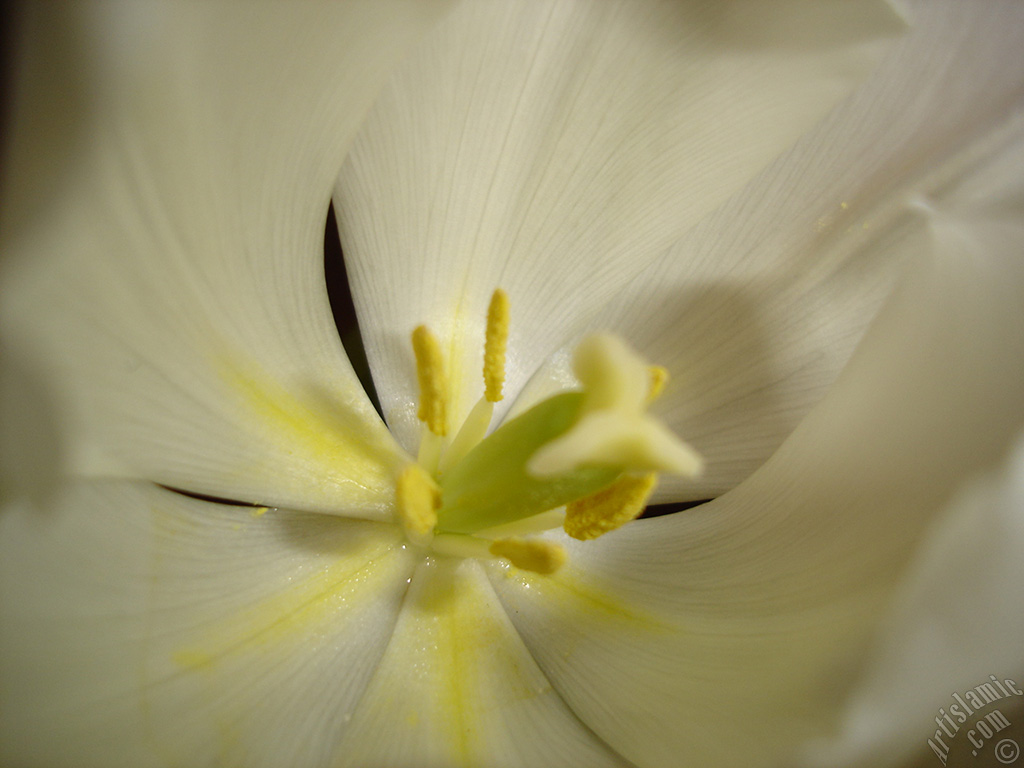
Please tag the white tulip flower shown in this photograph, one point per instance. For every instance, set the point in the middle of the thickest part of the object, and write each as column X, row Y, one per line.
column 762, row 254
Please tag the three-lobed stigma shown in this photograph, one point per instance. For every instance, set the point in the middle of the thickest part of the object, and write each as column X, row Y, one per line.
column 586, row 460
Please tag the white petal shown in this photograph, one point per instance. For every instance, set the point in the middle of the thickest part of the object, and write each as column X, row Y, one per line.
column 956, row 621
column 555, row 149
column 457, row 687
column 143, row 628
column 164, row 280
column 757, row 309
column 729, row 633
column 30, row 442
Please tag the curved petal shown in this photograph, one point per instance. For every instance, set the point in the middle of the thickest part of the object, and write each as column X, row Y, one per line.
column 144, row 628
column 166, row 280
column 457, row 687
column 756, row 310
column 554, row 149
column 730, row 633
column 956, row 622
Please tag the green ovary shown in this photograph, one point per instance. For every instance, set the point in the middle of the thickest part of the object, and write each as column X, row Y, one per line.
column 491, row 485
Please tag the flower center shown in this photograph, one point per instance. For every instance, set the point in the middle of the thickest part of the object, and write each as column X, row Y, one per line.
column 584, row 460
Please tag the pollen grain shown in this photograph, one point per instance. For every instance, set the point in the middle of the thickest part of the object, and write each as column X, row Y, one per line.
column 659, row 378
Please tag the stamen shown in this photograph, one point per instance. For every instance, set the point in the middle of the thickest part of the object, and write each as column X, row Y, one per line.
column 433, row 386
column 659, row 378
column 417, row 498
column 495, row 345
column 535, row 555
column 611, row 508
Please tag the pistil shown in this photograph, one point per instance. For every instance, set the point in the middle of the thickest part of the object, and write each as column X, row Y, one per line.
column 587, row 460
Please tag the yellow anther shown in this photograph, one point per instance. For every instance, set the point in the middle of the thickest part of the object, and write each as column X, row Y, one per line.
column 417, row 498
column 611, row 508
column 495, row 345
column 659, row 378
column 535, row 555
column 433, row 386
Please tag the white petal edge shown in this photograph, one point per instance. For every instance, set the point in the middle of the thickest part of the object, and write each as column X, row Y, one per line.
column 164, row 280
column 955, row 622
column 756, row 310
column 731, row 633
column 143, row 628
column 555, row 149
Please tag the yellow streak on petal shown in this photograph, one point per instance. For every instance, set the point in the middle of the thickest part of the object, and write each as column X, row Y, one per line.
column 537, row 555
column 578, row 596
column 192, row 660
column 340, row 445
column 432, row 380
column 611, row 508
column 495, row 345
column 417, row 499
column 455, row 666
column 292, row 615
